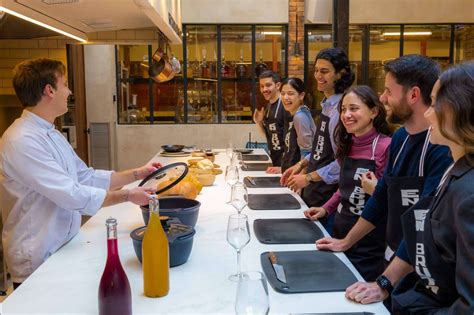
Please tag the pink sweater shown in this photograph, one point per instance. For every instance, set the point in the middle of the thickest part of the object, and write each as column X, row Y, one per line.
column 362, row 149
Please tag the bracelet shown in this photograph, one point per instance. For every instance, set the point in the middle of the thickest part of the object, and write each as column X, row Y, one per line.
column 309, row 178
column 300, row 165
column 135, row 174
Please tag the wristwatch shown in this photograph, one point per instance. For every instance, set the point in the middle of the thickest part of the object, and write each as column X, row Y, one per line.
column 309, row 178
column 384, row 283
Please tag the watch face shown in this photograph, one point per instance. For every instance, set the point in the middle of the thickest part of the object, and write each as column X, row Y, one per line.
column 383, row 282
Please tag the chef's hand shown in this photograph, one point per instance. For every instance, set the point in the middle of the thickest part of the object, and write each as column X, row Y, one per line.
column 273, row 170
column 145, row 170
column 258, row 115
column 368, row 181
column 286, row 175
column 315, row 213
column 366, row 293
column 332, row 244
column 296, row 182
column 140, row 195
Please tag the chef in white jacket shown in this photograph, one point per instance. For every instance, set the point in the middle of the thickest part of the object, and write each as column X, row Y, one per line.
column 45, row 187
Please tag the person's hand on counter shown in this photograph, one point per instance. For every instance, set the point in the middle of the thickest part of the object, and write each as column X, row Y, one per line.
column 295, row 169
column 332, row 244
column 315, row 213
column 366, row 292
column 297, row 182
column 273, row 170
column 368, row 182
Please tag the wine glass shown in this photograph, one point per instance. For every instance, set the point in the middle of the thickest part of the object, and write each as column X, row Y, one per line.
column 236, row 157
column 238, row 196
column 238, row 235
column 231, row 176
column 252, row 294
column 229, row 151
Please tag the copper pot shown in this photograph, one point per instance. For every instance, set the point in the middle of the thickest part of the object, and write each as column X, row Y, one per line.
column 160, row 69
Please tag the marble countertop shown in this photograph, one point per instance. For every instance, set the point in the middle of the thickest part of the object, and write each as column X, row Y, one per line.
column 67, row 283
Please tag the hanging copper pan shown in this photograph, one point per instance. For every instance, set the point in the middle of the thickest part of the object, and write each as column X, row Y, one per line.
column 160, row 69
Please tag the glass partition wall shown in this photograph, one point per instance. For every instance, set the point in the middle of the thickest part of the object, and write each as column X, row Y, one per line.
column 370, row 46
column 218, row 82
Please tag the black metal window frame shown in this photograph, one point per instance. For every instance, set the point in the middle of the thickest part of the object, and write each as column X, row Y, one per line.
column 219, row 78
column 254, row 91
column 366, row 43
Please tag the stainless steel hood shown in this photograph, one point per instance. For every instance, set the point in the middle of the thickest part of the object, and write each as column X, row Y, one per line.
column 80, row 17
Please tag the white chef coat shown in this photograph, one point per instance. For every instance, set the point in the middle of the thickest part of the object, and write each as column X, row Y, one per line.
column 44, row 189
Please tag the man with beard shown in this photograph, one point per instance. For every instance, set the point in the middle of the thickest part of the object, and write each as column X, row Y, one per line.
column 270, row 119
column 414, row 170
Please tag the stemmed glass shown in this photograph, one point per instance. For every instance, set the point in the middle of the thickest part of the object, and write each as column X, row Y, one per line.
column 231, row 176
column 236, row 157
column 229, row 151
column 238, row 236
column 238, row 196
column 252, row 294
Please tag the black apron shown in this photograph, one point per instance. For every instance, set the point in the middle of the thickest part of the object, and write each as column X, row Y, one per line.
column 403, row 192
column 367, row 255
column 273, row 133
column 291, row 151
column 421, row 292
column 317, row 193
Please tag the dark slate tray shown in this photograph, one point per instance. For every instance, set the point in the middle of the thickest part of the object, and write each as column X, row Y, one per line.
column 250, row 167
column 272, row 202
column 255, row 157
column 263, row 182
column 308, row 271
column 286, row 231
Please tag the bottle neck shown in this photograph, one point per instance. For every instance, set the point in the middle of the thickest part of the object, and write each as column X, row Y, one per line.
column 154, row 205
column 112, row 247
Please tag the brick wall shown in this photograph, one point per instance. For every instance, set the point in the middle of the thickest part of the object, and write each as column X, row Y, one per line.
column 296, row 64
column 469, row 42
column 13, row 51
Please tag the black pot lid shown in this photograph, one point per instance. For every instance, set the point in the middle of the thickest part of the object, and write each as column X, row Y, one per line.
column 171, row 174
column 173, row 227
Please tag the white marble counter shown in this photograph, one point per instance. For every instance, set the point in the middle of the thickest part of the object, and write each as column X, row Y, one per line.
column 67, row 283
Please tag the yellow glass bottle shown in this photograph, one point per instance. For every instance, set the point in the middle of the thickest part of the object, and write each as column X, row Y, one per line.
column 155, row 255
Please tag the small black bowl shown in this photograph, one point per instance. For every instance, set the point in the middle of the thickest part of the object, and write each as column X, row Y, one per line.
column 172, row 148
column 186, row 210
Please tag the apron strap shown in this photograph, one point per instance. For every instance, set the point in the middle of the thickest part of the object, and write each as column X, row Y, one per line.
column 443, row 180
column 400, row 151
column 374, row 144
column 423, row 153
column 276, row 111
column 278, row 107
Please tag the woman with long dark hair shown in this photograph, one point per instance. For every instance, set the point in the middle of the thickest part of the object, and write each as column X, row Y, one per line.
column 439, row 230
column 300, row 130
column 363, row 139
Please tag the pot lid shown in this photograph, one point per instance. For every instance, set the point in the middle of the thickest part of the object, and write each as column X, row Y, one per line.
column 166, row 177
column 173, row 227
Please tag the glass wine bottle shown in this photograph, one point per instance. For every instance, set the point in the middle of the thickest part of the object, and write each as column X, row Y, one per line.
column 241, row 68
column 225, row 69
column 261, row 66
column 114, row 289
column 204, row 65
column 155, row 255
